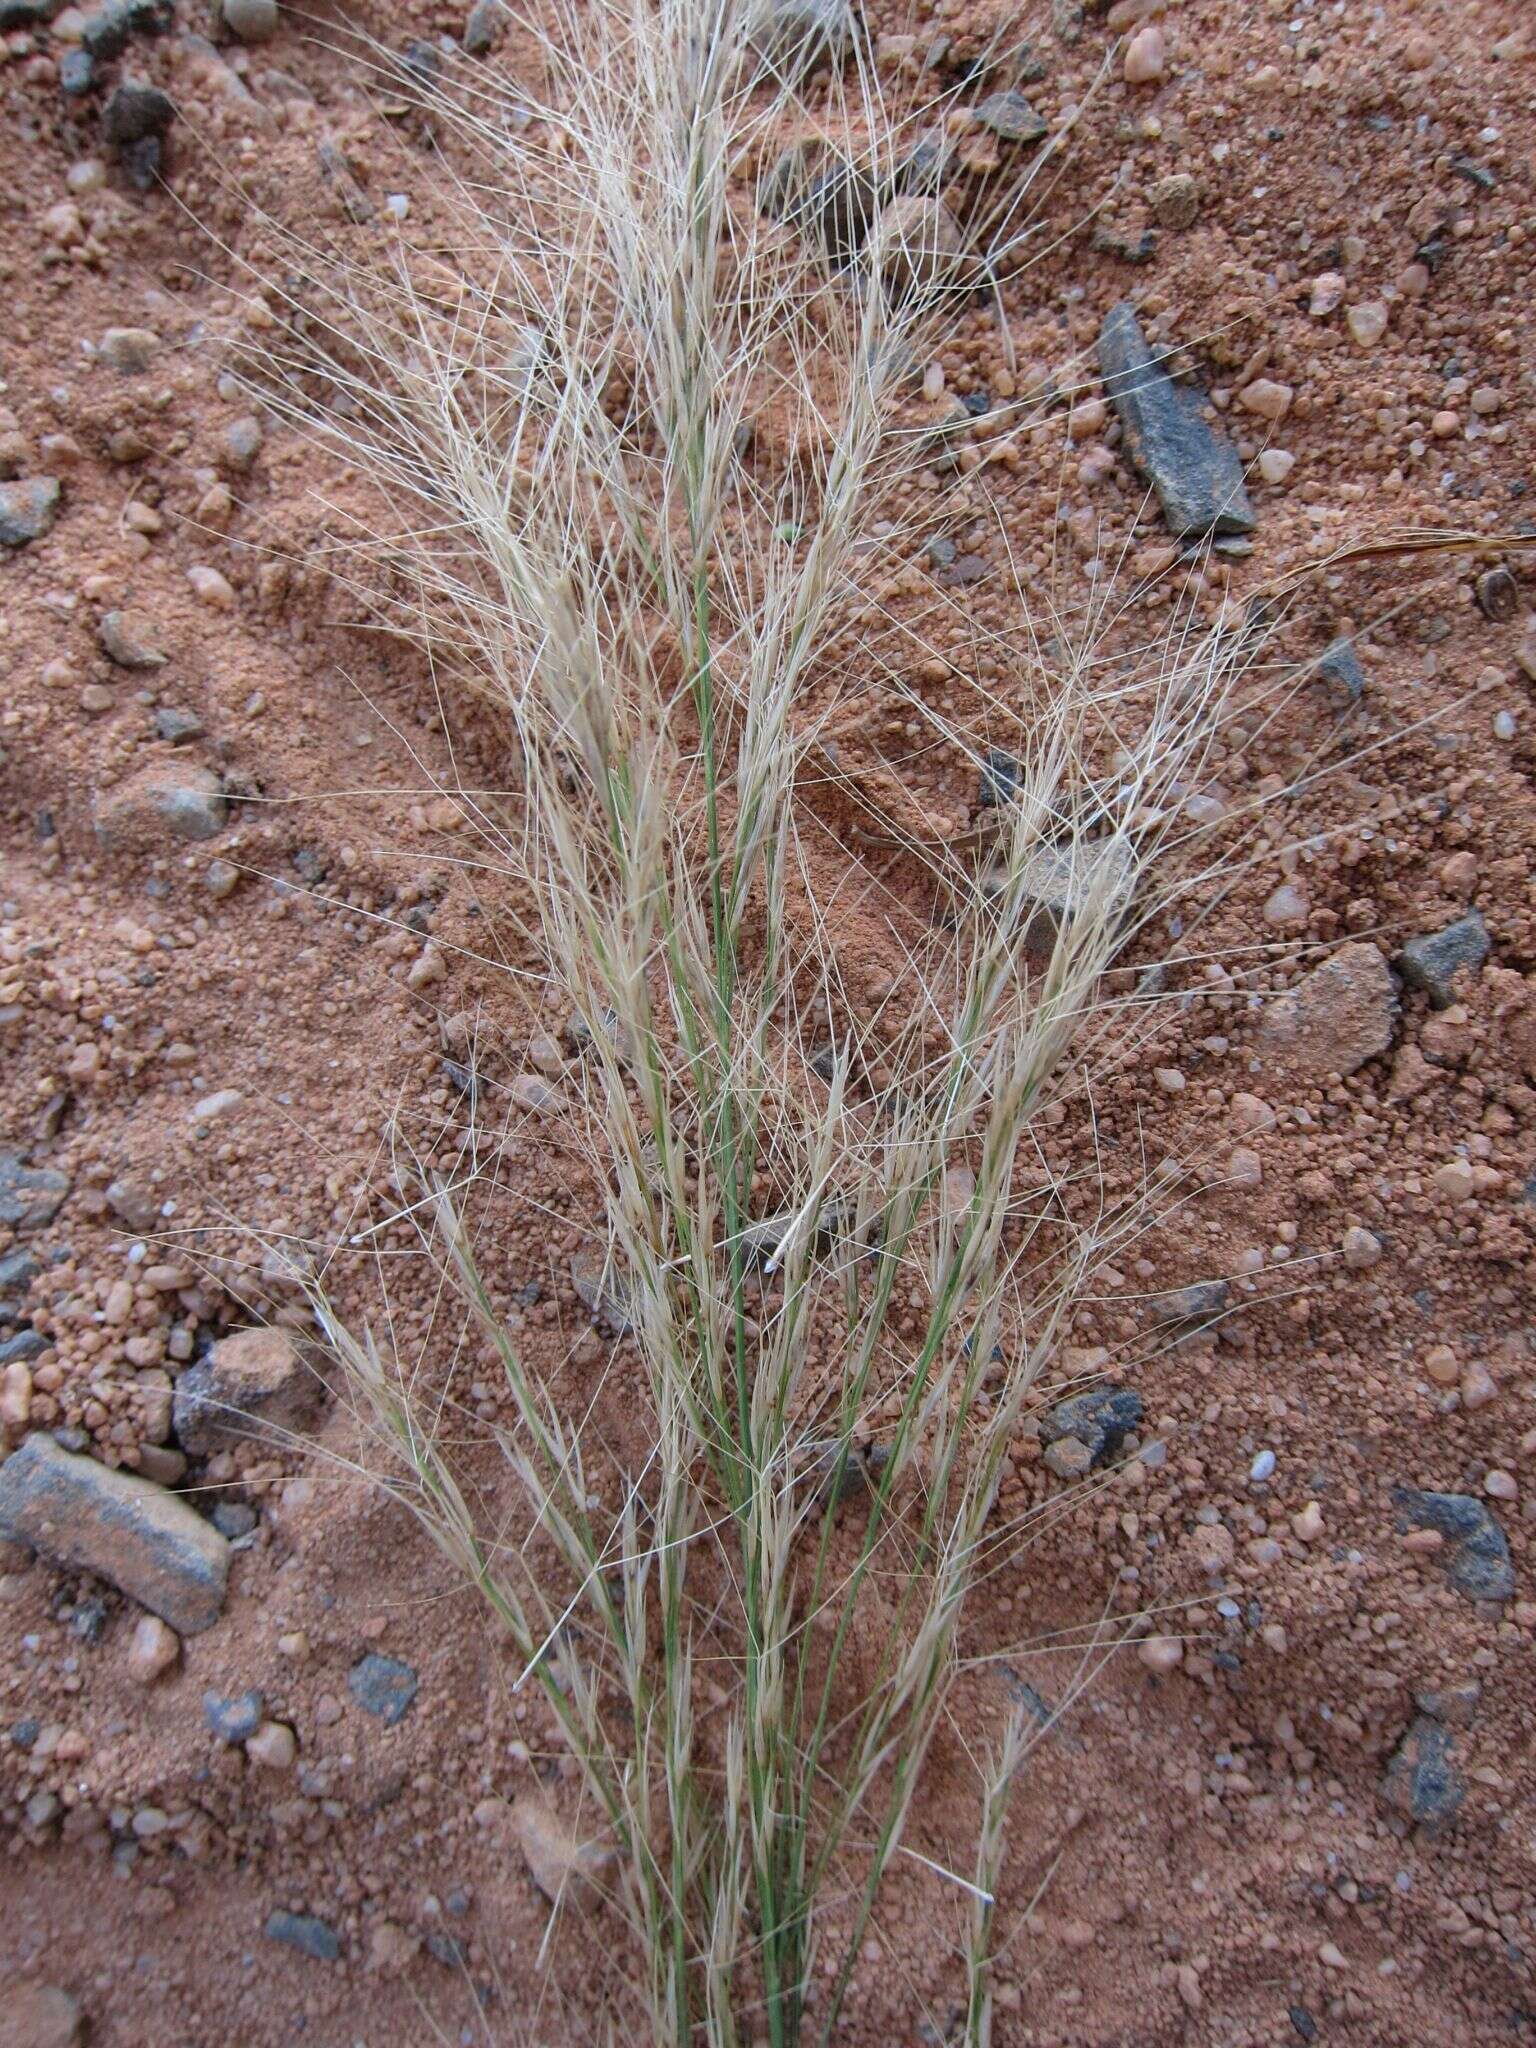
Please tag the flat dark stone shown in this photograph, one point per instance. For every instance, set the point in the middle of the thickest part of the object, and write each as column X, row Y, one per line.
column 1101, row 1419
column 310, row 1936
column 1431, row 961
column 29, row 1195
column 136, row 112
column 1000, row 774
column 383, row 1686
column 1010, row 117
column 25, row 1345
column 1197, row 475
column 1477, row 1555
column 1339, row 666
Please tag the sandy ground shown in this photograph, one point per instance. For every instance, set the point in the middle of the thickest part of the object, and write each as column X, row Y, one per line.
column 209, row 1039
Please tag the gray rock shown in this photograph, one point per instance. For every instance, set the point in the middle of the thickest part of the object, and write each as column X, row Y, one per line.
column 129, row 639
column 253, row 21
column 251, row 1384
column 1194, row 1304
column 1000, row 774
column 77, row 74
column 1100, row 1419
column 235, row 1717
column 383, row 1687
column 30, row 1196
column 1455, row 1705
column 106, row 33
column 23, row 1347
column 141, row 1539
column 797, row 35
column 310, row 1936
column 1477, row 1555
column 176, row 727
column 1010, row 117
column 133, row 1204
column 137, row 113
column 18, row 1269
column 1198, row 476
column 25, row 13
column 168, row 799
column 1339, row 666
column 1422, row 1781
column 27, row 509
column 482, row 31
column 234, row 1519
column 1432, row 961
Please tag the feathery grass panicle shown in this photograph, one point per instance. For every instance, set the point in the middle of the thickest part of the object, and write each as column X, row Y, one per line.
column 843, row 1265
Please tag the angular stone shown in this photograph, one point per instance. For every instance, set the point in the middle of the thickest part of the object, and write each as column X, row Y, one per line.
column 1432, row 961
column 1338, row 1017
column 27, row 509
column 1421, row 1781
column 234, row 1718
column 137, row 112
column 1100, row 1419
column 1339, row 666
column 251, row 1384
column 1197, row 475
column 483, row 28
column 168, row 799
column 30, row 1196
column 1477, row 1555
column 383, row 1687
column 920, row 246
column 1010, row 117
column 310, row 1936
column 141, row 1539
column 1197, row 1303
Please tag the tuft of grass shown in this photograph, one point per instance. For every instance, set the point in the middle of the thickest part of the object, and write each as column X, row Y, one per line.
column 641, row 425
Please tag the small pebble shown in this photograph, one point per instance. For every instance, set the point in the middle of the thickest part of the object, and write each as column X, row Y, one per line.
column 1501, row 1486
column 1262, row 1467
column 1276, row 464
column 1161, row 1654
column 1270, row 400
column 1308, row 1525
column 1367, row 322
column 1362, row 1248
column 1146, row 55
column 1327, row 294
column 253, row 21
column 274, row 1745
column 152, row 1649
